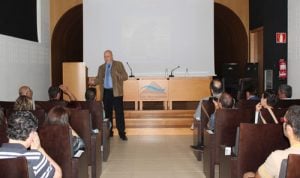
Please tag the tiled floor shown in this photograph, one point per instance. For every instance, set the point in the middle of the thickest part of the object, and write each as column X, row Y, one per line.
column 153, row 153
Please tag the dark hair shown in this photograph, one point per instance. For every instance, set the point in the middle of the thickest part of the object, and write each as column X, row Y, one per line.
column 226, row 100
column 90, row 94
column 23, row 103
column 216, row 89
column 251, row 89
column 293, row 119
column 286, row 89
column 20, row 124
column 58, row 115
column 271, row 97
column 53, row 91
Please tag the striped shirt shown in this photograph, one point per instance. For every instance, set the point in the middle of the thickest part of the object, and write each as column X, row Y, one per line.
column 38, row 163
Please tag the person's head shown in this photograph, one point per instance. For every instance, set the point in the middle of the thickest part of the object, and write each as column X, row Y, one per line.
column 108, row 56
column 25, row 91
column 268, row 99
column 90, row 94
column 23, row 103
column 284, row 91
column 226, row 101
column 21, row 127
column 250, row 91
column 291, row 126
column 216, row 87
column 58, row 115
column 54, row 93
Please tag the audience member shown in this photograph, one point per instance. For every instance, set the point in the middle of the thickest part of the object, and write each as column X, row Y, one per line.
column 284, row 91
column 90, row 94
column 59, row 115
column 251, row 93
column 291, row 128
column 56, row 93
column 216, row 89
column 24, row 141
column 23, row 103
column 268, row 100
column 225, row 102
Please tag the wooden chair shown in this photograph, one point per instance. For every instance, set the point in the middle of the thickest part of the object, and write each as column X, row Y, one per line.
column 48, row 105
column 80, row 121
column 244, row 104
column 3, row 135
column 255, row 143
column 292, row 169
column 285, row 103
column 226, row 123
column 279, row 113
column 57, row 142
column 96, row 110
column 15, row 168
column 199, row 125
column 7, row 104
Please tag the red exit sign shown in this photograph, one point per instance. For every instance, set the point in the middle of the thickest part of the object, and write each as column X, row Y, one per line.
column 281, row 37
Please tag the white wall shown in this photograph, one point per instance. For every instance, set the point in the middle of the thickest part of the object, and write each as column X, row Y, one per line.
column 151, row 35
column 24, row 62
column 294, row 46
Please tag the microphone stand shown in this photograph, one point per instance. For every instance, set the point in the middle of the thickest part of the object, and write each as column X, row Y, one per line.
column 131, row 73
column 172, row 75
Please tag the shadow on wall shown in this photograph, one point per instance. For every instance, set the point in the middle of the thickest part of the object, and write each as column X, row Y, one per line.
column 231, row 40
column 67, row 42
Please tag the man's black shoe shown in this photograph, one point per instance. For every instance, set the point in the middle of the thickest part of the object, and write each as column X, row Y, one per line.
column 123, row 137
column 198, row 147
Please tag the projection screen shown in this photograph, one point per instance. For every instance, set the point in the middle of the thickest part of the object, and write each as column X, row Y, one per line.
column 151, row 35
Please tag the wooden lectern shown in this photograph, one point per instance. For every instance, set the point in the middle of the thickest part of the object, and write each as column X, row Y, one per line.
column 75, row 78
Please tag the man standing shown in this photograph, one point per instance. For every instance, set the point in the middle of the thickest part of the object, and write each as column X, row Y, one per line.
column 111, row 76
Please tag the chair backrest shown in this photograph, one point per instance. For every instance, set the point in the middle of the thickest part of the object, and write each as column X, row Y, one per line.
column 293, row 163
column 208, row 107
column 15, row 168
column 243, row 104
column 256, row 142
column 80, row 121
column 227, row 121
column 57, row 142
column 47, row 105
column 287, row 103
column 279, row 113
column 96, row 110
column 7, row 104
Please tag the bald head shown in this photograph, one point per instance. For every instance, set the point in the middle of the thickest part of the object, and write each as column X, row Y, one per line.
column 25, row 91
column 108, row 56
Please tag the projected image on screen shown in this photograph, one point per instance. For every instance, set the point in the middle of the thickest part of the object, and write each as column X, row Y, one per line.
column 152, row 35
column 19, row 19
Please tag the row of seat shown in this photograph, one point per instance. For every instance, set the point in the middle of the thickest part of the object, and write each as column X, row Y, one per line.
column 85, row 118
column 247, row 155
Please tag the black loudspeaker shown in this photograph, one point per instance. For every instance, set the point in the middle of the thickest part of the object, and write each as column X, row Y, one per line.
column 230, row 74
column 251, row 71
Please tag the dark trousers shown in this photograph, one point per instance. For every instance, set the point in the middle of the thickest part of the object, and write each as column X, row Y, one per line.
column 110, row 102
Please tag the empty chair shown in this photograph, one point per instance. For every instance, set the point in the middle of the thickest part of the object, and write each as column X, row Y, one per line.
column 81, row 122
column 57, row 142
column 15, row 168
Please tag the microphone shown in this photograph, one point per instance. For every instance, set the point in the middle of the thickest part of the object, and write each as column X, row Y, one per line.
column 131, row 74
column 172, row 75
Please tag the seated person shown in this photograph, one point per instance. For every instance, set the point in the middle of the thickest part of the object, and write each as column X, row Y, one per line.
column 59, row 115
column 23, row 103
column 216, row 89
column 90, row 94
column 284, row 91
column 24, row 141
column 291, row 127
column 225, row 102
column 56, row 93
column 251, row 93
column 268, row 101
